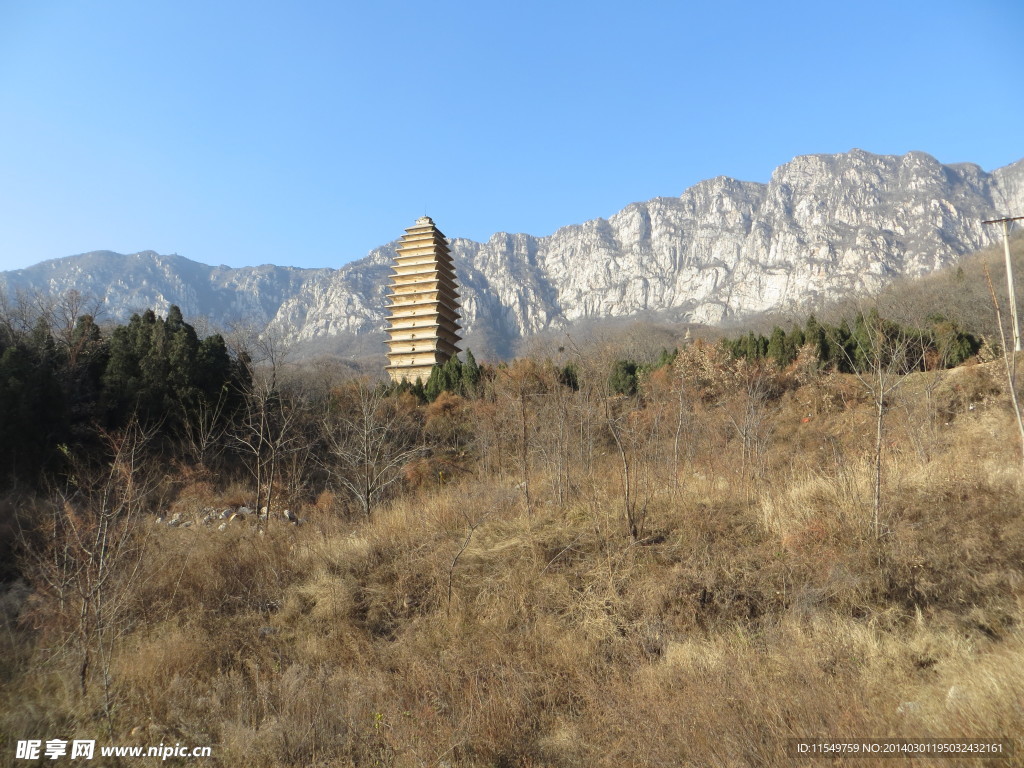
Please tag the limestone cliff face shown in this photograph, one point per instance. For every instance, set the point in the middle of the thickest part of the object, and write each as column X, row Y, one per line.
column 824, row 226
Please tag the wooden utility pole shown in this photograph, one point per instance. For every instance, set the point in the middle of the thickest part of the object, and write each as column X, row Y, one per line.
column 1009, row 275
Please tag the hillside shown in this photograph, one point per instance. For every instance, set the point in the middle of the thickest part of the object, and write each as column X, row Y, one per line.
column 824, row 227
column 551, row 575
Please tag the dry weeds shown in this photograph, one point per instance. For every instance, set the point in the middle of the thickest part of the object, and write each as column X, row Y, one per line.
column 457, row 628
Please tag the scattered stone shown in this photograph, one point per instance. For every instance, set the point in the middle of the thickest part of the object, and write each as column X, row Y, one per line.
column 223, row 526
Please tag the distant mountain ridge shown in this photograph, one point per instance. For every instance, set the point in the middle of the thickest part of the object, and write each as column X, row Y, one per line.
column 823, row 227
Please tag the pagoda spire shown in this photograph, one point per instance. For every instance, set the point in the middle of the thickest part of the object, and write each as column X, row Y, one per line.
column 423, row 307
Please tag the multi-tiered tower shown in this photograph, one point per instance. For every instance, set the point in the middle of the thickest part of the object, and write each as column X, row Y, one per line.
column 424, row 322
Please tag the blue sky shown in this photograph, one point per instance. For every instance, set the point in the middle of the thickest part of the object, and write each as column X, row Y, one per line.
column 307, row 133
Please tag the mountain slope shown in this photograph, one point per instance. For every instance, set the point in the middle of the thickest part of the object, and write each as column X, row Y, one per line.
column 823, row 227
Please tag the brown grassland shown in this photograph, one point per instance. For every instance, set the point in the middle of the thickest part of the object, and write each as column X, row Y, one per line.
column 565, row 578
column 457, row 626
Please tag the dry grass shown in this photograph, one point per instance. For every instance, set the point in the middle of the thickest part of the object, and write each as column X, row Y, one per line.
column 457, row 628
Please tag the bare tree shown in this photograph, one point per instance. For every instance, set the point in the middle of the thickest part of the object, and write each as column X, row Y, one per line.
column 63, row 312
column 371, row 437
column 753, row 424
column 554, row 437
column 517, row 388
column 683, row 411
column 880, row 355
column 591, row 362
column 695, row 372
column 640, row 432
column 473, row 517
column 85, row 560
column 268, row 431
column 634, row 442
column 204, row 428
column 18, row 314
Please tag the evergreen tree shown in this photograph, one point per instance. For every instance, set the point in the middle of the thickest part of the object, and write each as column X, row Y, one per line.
column 751, row 350
column 183, row 346
column 840, row 347
column 121, row 377
column 213, row 366
column 82, row 382
column 471, row 376
column 32, row 408
column 159, row 370
column 435, row 384
column 816, row 336
column 451, row 373
column 793, row 342
column 568, row 377
column 42, row 345
column 665, row 358
column 155, row 370
column 175, row 321
column 849, row 349
column 623, row 378
column 951, row 345
column 777, row 347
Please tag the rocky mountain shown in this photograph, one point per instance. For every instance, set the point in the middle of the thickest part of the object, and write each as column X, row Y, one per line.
column 823, row 227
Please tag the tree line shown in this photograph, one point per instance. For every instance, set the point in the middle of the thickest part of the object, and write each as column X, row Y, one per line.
column 61, row 389
column 241, row 412
column 844, row 347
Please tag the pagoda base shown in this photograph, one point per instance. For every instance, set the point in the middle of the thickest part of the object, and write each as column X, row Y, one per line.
column 410, row 373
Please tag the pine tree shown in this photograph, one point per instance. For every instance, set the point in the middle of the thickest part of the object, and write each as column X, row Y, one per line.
column 33, row 414
column 470, row 384
column 794, row 341
column 213, row 366
column 776, row 349
column 434, row 385
column 155, row 370
column 121, row 377
column 568, row 377
column 183, row 346
column 451, row 375
column 623, row 380
column 86, row 360
column 815, row 335
column 175, row 321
